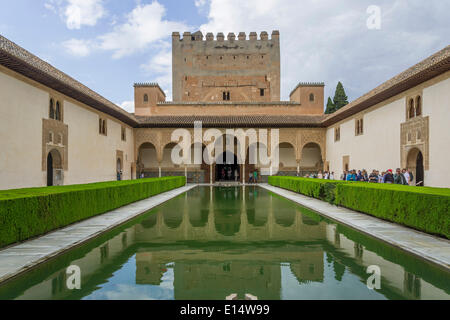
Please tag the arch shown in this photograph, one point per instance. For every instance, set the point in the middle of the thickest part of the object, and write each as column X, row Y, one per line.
column 311, row 97
column 418, row 106
column 311, row 157
column 54, row 164
column 227, row 167
column 287, row 155
column 167, row 155
column 415, row 163
column 145, row 98
column 147, row 159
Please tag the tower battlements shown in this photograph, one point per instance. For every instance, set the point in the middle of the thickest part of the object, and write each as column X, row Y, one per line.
column 220, row 37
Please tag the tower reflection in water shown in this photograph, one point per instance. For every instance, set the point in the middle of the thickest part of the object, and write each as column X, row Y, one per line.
column 213, row 241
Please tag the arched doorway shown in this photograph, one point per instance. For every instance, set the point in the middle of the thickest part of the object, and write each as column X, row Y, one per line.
column 119, row 169
column 415, row 164
column 311, row 160
column 54, row 169
column 227, row 166
column 287, row 159
column 147, row 164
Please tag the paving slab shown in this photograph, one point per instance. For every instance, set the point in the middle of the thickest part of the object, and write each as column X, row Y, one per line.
column 21, row 257
column 426, row 246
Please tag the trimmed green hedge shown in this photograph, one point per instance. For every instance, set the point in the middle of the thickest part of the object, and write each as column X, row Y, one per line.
column 422, row 208
column 316, row 188
column 25, row 213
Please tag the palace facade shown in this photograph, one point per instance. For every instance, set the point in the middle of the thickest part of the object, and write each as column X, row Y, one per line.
column 56, row 131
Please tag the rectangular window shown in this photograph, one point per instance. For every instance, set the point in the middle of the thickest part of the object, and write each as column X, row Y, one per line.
column 261, row 92
column 102, row 127
column 337, row 134
column 226, row 96
column 359, row 127
column 124, row 134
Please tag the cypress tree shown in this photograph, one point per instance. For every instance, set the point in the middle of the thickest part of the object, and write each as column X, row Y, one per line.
column 330, row 107
column 340, row 98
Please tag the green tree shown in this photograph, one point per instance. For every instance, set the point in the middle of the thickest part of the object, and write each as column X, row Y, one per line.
column 330, row 107
column 340, row 98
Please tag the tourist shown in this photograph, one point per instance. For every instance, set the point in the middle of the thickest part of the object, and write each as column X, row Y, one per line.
column 320, row 175
column 344, row 175
column 373, row 177
column 388, row 177
column 255, row 176
column 365, row 175
column 406, row 175
column 331, row 177
column 236, row 175
column 399, row 178
column 381, row 177
column 351, row 176
column 411, row 178
column 326, row 176
column 359, row 176
column 223, row 173
column 250, row 177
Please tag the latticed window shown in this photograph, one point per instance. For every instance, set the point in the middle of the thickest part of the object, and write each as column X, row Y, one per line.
column 418, row 106
column 51, row 112
column 58, row 111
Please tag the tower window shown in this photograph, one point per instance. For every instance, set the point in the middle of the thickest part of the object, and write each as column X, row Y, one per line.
column 226, row 95
column 411, row 109
column 261, row 92
column 311, row 97
column 145, row 97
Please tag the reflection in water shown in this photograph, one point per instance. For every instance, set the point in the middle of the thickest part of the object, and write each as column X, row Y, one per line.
column 212, row 242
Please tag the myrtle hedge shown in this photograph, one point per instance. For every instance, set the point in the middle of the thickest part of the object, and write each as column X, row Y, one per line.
column 422, row 208
column 26, row 213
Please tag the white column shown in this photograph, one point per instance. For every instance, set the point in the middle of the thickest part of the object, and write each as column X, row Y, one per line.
column 243, row 173
column 210, row 174
column 159, row 169
column 185, row 172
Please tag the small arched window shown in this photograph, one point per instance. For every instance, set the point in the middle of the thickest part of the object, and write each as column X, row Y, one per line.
column 58, row 111
column 50, row 137
column 145, row 97
column 411, row 112
column 51, row 112
column 311, row 97
column 419, row 135
column 418, row 106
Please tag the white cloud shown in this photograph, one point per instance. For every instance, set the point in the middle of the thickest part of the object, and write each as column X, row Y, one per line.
column 145, row 25
column 159, row 69
column 329, row 41
column 127, row 106
column 77, row 47
column 77, row 13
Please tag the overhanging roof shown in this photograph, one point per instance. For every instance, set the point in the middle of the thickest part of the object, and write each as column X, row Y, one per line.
column 23, row 62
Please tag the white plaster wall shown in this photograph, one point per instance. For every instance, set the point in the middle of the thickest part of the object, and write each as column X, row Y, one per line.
column 379, row 146
column 92, row 156
column 436, row 105
column 22, row 108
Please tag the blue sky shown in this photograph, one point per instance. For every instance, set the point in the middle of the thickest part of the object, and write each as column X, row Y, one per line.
column 110, row 44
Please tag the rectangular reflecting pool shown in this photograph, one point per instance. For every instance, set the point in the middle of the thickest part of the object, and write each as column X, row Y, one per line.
column 214, row 241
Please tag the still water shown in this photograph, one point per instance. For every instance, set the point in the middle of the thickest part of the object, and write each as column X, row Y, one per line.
column 211, row 242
